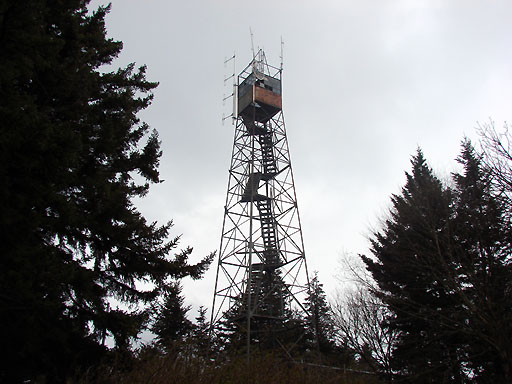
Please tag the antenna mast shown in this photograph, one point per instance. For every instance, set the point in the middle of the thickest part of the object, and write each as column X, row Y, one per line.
column 233, row 93
column 252, row 44
column 281, row 57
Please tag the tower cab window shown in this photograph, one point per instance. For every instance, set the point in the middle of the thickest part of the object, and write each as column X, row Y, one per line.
column 262, row 84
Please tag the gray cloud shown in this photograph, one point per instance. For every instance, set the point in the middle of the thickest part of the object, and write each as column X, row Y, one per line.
column 364, row 84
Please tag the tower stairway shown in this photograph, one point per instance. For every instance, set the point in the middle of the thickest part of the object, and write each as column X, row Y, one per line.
column 268, row 233
column 251, row 188
column 268, row 160
column 264, row 286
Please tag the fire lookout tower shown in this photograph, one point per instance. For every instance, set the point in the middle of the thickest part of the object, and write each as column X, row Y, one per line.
column 262, row 275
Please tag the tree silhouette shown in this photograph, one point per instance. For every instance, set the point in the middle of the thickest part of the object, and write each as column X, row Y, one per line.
column 74, row 155
column 442, row 268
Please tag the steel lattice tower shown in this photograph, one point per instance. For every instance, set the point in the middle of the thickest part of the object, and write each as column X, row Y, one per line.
column 262, row 276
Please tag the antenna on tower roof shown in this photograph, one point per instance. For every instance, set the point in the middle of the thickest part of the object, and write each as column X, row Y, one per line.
column 233, row 93
column 252, row 44
column 282, row 45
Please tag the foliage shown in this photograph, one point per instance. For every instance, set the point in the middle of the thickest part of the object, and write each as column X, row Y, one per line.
column 319, row 322
column 442, row 267
column 171, row 324
column 359, row 317
column 497, row 150
column 151, row 367
column 285, row 334
column 408, row 253
column 73, row 156
column 274, row 325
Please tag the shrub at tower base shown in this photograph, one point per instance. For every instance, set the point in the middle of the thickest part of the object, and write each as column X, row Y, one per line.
column 70, row 146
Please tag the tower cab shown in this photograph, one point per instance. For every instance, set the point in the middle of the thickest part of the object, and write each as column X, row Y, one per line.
column 259, row 97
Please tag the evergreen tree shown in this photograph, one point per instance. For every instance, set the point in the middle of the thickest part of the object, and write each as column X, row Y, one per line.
column 410, row 268
column 71, row 145
column 483, row 272
column 272, row 322
column 279, row 334
column 171, row 324
column 200, row 334
column 442, row 266
column 319, row 323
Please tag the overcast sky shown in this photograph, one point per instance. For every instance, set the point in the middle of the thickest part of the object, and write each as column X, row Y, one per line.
column 364, row 84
